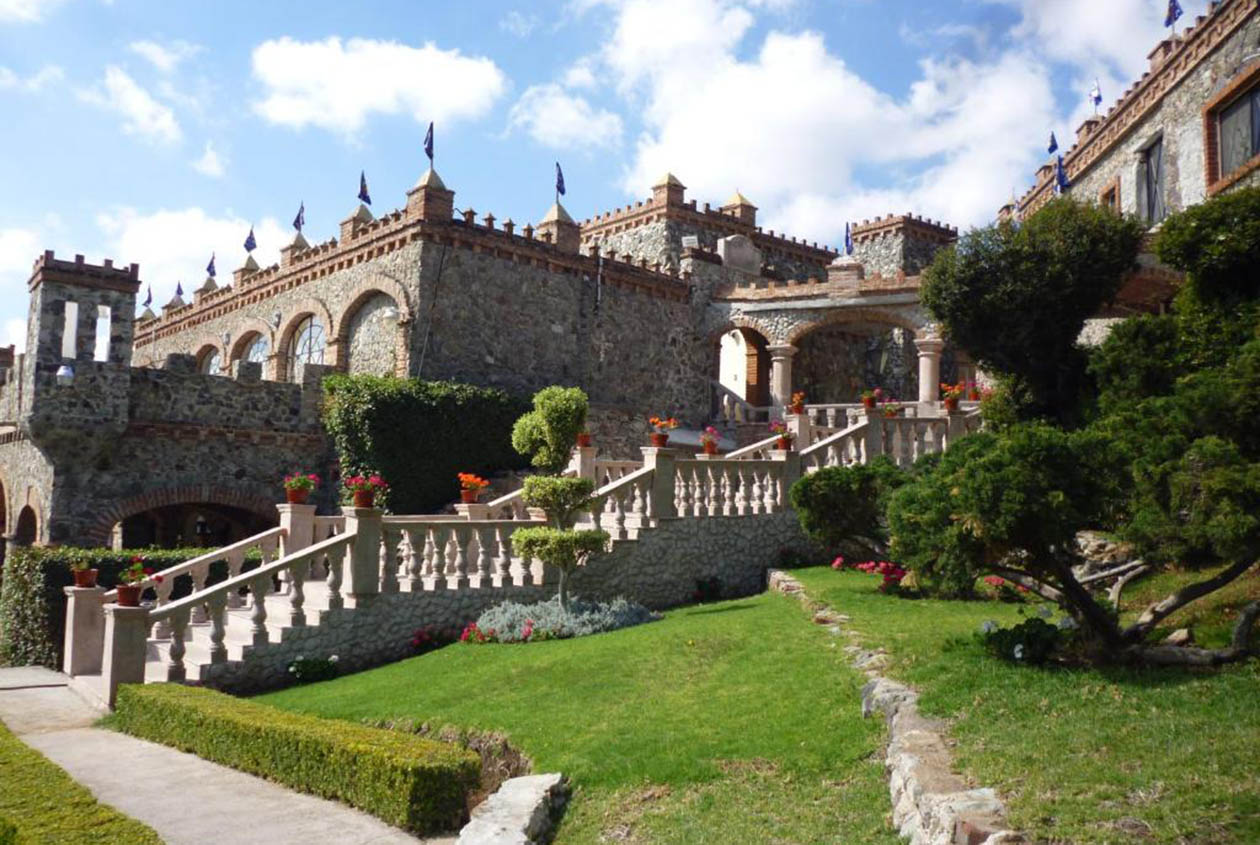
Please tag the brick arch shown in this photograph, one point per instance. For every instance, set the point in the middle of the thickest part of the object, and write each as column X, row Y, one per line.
column 856, row 315
column 206, row 342
column 306, row 308
column 741, row 321
column 192, row 494
column 248, row 327
column 365, row 290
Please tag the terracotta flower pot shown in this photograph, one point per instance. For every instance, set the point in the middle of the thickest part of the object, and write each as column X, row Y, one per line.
column 710, row 448
column 85, row 577
column 784, row 443
column 364, row 498
column 951, row 403
column 973, row 396
column 469, row 497
column 868, row 402
column 796, row 409
column 129, row 595
column 296, row 496
column 584, row 439
column 658, row 438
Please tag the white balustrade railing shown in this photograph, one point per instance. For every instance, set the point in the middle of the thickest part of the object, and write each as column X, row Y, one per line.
column 608, row 471
column 837, row 450
column 624, row 505
column 730, row 408
column 759, row 451
column 729, row 487
column 432, row 553
column 174, row 617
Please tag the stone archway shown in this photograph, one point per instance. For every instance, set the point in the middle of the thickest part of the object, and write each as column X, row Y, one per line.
column 26, row 529
column 116, row 512
column 316, row 310
column 372, row 336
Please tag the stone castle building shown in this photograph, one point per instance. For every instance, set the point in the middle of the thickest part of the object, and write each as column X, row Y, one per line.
column 183, row 428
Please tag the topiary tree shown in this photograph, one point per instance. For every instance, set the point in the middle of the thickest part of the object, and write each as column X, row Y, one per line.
column 1062, row 265
column 566, row 550
column 838, row 505
column 546, row 434
column 562, row 498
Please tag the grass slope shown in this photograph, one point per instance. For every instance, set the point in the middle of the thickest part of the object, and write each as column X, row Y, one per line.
column 733, row 722
column 1088, row 755
column 47, row 806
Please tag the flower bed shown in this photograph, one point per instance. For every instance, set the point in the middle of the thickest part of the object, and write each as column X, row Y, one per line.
column 511, row 622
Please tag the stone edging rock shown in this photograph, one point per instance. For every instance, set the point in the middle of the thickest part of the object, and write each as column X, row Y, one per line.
column 523, row 811
column 931, row 804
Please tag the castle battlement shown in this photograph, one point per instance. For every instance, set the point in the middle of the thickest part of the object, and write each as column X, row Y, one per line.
column 105, row 276
column 911, row 225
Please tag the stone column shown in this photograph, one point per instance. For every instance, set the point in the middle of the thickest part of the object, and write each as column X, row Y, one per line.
column 874, row 434
column 791, row 459
column 363, row 580
column 662, row 460
column 929, row 346
column 780, row 377
column 584, row 461
column 126, row 645
column 298, row 522
column 85, row 630
column 473, row 510
column 802, row 427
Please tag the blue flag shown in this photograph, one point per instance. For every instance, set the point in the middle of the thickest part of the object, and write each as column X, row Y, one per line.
column 179, row 289
column 1174, row 12
column 559, row 180
column 848, row 240
column 363, row 192
column 148, row 299
column 250, row 243
column 300, row 220
column 428, row 143
column 1054, row 145
column 1095, row 94
column 210, row 266
column 1061, row 182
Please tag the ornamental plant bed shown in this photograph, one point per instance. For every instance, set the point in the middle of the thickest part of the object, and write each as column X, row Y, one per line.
column 410, row 782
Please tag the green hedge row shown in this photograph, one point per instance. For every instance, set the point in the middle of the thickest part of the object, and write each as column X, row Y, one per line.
column 33, row 604
column 419, row 434
column 40, row 803
column 413, row 783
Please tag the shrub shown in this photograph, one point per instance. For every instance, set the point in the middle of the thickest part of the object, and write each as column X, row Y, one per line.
column 33, row 604
column 846, row 504
column 41, row 803
column 566, row 550
column 419, row 434
column 308, row 670
column 431, row 637
column 1033, row 641
column 409, row 782
column 546, row 434
column 512, row 622
column 1218, row 244
column 1138, row 359
column 562, row 498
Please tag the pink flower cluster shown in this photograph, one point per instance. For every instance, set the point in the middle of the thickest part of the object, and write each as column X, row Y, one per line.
column 892, row 572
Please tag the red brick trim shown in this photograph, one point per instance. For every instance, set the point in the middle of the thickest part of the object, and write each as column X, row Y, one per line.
column 1216, row 181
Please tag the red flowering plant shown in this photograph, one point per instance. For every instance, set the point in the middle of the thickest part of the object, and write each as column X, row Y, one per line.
column 662, row 425
column 473, row 635
column 890, row 407
column 953, row 391
column 709, row 435
column 363, row 483
column 469, row 481
column 137, row 572
column 431, row 637
column 780, row 429
column 1004, row 590
column 873, row 394
column 301, row 481
column 891, row 572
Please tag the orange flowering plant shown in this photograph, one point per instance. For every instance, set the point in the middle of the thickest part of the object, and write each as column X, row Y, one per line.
column 469, row 481
column 953, row 391
column 662, row 425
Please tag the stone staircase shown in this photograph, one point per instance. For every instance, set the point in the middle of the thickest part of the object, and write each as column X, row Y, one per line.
column 359, row 584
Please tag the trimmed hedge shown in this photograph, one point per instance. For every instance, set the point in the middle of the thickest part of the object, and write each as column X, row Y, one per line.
column 33, row 604
column 419, row 434
column 412, row 783
column 40, row 803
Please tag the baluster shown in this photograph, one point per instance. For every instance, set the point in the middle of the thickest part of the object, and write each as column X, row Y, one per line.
column 267, row 548
column 756, row 493
column 235, row 560
column 199, row 574
column 390, row 538
column 728, row 491
column 430, row 552
column 461, row 557
column 162, row 629
column 441, row 538
column 619, row 514
column 335, row 559
column 175, row 654
column 503, row 563
column 258, row 587
column 217, row 606
column 698, row 491
column 715, row 489
column 483, row 555
column 741, row 503
column 297, row 594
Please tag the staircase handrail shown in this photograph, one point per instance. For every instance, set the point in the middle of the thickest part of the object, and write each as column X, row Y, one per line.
column 724, row 394
column 821, row 445
column 513, row 499
column 317, row 550
column 209, row 557
column 753, row 451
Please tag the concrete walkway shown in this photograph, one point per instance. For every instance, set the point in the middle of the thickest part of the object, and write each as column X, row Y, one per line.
column 182, row 797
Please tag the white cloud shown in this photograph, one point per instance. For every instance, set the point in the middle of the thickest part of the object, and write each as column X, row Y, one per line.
column 518, row 24
column 580, row 75
column 15, row 333
column 336, row 85
column 26, row 11
column 555, row 118
column 30, row 84
column 210, row 164
column 19, row 247
column 18, row 250
column 165, row 57
column 173, row 246
column 142, row 114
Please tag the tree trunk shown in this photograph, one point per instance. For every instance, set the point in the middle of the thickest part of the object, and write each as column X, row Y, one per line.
column 564, row 589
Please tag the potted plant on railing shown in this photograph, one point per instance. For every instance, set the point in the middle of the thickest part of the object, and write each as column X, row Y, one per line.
column 132, row 579
column 470, row 487
column 890, row 408
column 84, row 576
column 973, row 391
column 951, row 393
column 298, row 486
column 363, row 489
column 661, row 427
column 785, row 436
column 583, row 439
column 709, row 440
column 870, row 397
column 797, row 405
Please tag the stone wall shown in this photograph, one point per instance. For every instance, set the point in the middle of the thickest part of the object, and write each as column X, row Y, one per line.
column 373, row 336
column 659, row 570
column 835, row 363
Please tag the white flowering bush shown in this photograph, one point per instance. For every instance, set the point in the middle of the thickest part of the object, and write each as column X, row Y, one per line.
column 512, row 622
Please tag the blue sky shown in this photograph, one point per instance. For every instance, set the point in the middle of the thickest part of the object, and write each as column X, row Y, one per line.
column 158, row 132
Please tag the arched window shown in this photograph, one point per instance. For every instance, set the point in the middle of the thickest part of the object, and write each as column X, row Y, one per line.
column 257, row 350
column 307, row 346
column 209, row 363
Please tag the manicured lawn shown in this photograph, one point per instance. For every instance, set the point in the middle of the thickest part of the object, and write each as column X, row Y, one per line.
column 47, row 806
column 730, row 722
column 1085, row 755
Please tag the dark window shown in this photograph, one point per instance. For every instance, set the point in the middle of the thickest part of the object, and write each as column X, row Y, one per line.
column 1240, row 132
column 1153, row 182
